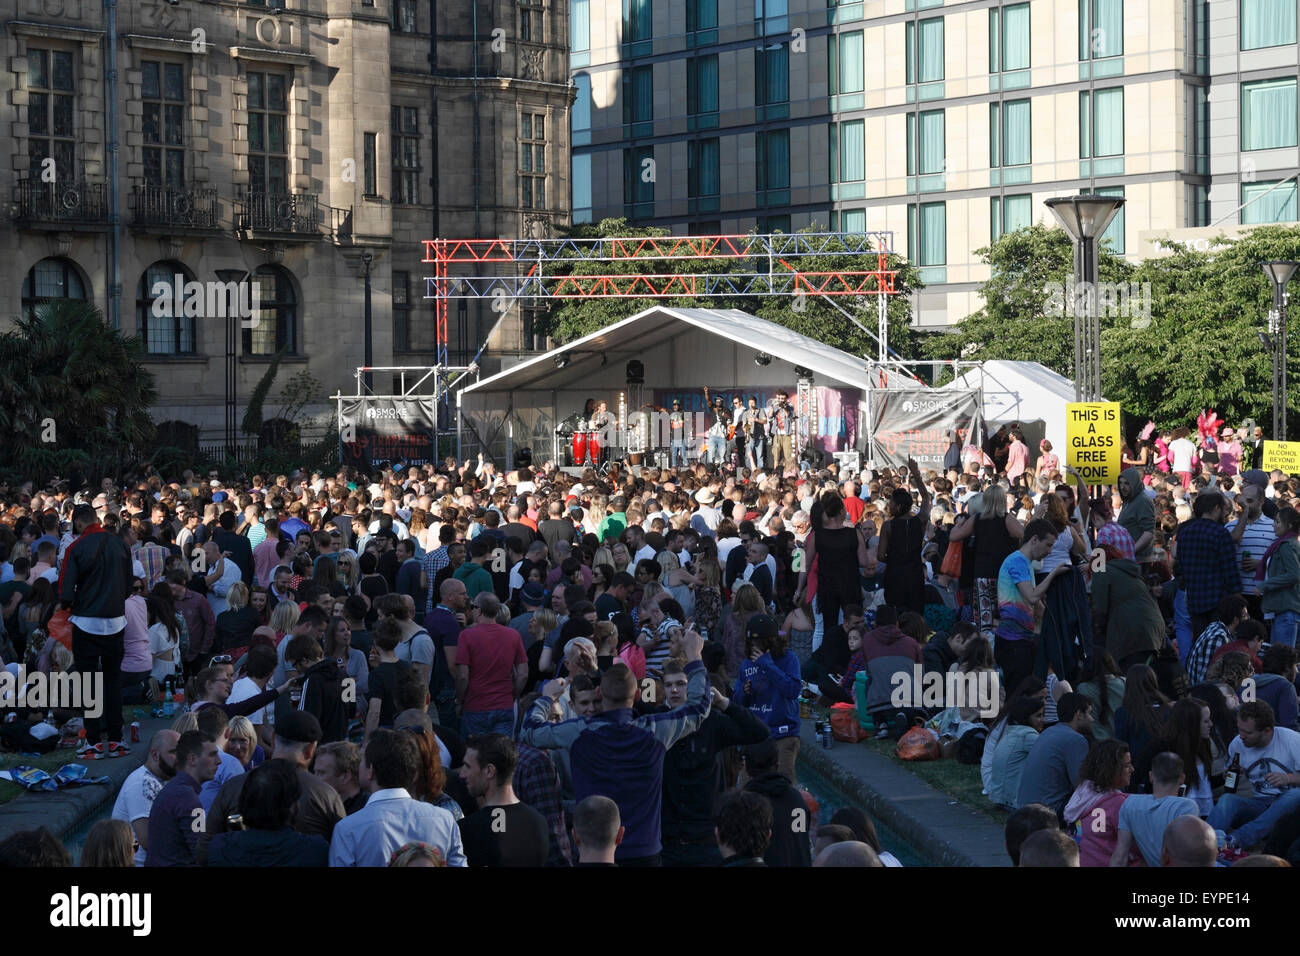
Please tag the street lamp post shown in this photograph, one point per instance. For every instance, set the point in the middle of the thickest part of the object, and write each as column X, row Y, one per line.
column 1279, row 273
column 1085, row 217
column 367, row 257
column 229, row 276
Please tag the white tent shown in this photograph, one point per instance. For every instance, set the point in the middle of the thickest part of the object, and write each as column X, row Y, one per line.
column 680, row 348
column 1024, row 392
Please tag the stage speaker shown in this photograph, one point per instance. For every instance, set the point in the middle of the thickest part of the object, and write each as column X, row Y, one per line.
column 635, row 372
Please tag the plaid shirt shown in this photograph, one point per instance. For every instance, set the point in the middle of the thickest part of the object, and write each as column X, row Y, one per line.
column 1208, row 560
column 1211, row 639
column 537, row 784
column 432, row 563
column 152, row 557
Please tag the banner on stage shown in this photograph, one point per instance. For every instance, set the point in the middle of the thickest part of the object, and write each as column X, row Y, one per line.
column 387, row 431
column 1284, row 456
column 914, row 423
column 1093, row 445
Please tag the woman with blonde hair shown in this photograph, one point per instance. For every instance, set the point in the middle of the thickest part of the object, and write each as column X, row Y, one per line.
column 235, row 626
column 708, row 597
column 242, row 744
column 745, row 603
column 997, row 534
column 110, row 843
column 349, row 573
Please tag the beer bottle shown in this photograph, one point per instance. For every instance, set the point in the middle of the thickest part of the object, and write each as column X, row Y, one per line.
column 1232, row 775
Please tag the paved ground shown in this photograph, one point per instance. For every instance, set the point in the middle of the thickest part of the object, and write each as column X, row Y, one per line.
column 64, row 811
column 939, row 827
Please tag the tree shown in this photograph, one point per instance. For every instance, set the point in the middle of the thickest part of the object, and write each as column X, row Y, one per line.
column 813, row 315
column 74, row 393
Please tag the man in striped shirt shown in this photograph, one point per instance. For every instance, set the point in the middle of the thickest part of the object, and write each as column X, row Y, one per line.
column 434, row 562
column 1252, row 533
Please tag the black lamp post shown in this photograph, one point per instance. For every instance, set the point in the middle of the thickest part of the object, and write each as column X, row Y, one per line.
column 229, row 276
column 1279, row 273
column 367, row 257
column 1085, row 217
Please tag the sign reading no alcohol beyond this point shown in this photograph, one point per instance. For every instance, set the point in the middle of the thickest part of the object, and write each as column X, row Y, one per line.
column 1093, row 442
column 1283, row 456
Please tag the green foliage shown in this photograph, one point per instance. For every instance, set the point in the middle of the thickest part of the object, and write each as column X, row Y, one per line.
column 74, row 393
column 569, row 319
column 252, row 423
column 1201, row 347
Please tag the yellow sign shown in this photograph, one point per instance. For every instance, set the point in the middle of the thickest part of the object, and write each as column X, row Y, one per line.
column 1093, row 446
column 1282, row 455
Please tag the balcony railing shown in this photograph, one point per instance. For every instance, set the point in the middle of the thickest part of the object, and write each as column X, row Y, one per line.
column 297, row 214
column 73, row 202
column 174, row 206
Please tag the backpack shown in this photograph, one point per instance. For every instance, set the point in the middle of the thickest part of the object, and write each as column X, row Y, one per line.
column 970, row 746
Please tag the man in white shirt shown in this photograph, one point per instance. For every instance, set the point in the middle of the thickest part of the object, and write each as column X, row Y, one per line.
column 636, row 545
column 135, row 799
column 220, row 575
column 391, row 818
column 706, row 519
column 1270, row 758
column 259, row 666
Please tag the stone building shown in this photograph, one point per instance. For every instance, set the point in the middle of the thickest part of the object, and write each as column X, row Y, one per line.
column 297, row 144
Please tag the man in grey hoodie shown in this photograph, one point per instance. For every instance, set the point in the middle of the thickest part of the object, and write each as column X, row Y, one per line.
column 1138, row 516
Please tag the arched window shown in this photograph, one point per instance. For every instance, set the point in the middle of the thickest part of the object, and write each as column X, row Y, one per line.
column 275, row 324
column 160, row 310
column 50, row 280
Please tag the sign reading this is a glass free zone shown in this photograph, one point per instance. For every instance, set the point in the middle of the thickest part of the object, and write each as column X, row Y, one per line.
column 1093, row 446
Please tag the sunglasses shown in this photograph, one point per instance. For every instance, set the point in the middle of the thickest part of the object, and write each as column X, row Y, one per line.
column 137, row 589
column 221, row 659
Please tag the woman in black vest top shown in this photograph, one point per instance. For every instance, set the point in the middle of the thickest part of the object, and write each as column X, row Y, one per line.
column 901, row 541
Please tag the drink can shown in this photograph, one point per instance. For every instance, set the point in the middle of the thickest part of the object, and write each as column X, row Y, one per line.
column 135, row 731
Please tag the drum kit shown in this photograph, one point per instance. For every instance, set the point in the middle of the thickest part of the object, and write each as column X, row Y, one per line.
column 584, row 440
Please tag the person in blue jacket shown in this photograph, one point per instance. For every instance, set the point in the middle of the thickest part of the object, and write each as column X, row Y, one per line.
column 769, row 684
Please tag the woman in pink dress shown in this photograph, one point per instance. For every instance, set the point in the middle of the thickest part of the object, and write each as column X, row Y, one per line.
column 1229, row 452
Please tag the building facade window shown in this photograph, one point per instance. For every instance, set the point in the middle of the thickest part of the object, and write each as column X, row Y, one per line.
column 772, row 81
column 1101, row 29
column 1009, row 213
column 927, row 233
column 51, row 280
column 404, row 128
column 370, row 157
column 848, row 152
column 530, row 21
column 1114, row 234
column 926, row 146
column 1262, row 203
column 774, row 164
column 268, row 137
column 580, row 164
column 162, row 91
column 639, row 182
column 162, row 331
column 1198, row 205
column 638, row 27
column 579, row 26
column 1010, row 133
column 401, row 311
column 1101, row 123
column 1009, row 38
column 276, row 328
column 404, row 16
column 51, row 106
column 702, row 90
column 701, row 15
column 703, row 180
column 1268, row 114
column 638, row 101
column 1267, row 23
column 845, row 61
column 532, row 160
column 925, row 50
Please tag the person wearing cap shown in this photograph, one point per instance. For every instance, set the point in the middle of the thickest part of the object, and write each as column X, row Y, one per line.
column 1229, row 452
column 769, row 684
column 392, row 818
column 532, row 598
column 706, row 518
column 320, row 808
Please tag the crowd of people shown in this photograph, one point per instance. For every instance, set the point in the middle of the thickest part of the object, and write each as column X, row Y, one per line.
column 462, row 665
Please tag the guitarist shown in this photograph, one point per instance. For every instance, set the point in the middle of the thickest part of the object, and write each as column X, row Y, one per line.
column 719, row 430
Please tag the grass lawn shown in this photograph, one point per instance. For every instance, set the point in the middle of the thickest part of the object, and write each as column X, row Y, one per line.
column 960, row 781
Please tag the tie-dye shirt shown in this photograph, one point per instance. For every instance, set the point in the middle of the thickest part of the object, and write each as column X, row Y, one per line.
column 1016, row 614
